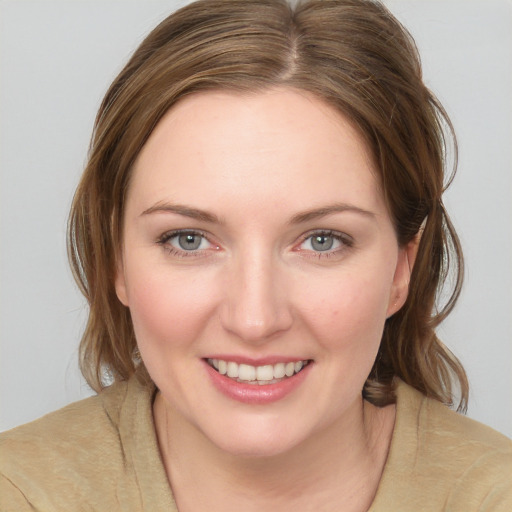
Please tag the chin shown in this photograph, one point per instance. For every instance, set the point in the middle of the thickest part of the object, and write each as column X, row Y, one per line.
column 257, row 447
column 258, row 436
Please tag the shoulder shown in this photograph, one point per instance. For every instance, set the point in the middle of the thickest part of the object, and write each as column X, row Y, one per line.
column 440, row 426
column 445, row 459
column 60, row 457
column 72, row 425
column 475, row 460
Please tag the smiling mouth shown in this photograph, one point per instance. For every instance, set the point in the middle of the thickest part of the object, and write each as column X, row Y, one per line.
column 258, row 375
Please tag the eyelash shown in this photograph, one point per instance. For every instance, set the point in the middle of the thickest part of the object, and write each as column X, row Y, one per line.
column 345, row 240
column 164, row 239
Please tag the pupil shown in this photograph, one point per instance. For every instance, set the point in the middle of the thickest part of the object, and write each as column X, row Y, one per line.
column 322, row 242
column 189, row 242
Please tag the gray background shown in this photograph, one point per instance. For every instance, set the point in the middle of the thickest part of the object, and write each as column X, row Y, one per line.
column 57, row 59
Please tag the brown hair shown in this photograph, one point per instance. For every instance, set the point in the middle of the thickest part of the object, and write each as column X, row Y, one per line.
column 354, row 55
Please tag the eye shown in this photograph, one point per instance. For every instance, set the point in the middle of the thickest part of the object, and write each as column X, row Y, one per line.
column 328, row 242
column 185, row 242
column 321, row 242
column 189, row 241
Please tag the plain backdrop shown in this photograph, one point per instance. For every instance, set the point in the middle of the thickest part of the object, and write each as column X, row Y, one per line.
column 57, row 58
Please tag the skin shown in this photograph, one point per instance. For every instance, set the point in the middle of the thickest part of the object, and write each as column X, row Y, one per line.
column 270, row 169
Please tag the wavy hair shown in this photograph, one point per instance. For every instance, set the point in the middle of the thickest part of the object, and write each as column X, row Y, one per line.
column 352, row 54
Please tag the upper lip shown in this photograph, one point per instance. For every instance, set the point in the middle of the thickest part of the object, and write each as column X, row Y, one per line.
column 260, row 361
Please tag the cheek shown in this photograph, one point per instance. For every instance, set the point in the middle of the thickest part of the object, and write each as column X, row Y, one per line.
column 168, row 309
column 349, row 314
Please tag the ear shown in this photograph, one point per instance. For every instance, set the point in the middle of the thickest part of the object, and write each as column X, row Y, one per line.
column 401, row 279
column 120, row 282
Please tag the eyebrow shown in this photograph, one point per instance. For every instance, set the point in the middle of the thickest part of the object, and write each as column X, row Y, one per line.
column 205, row 216
column 323, row 211
column 186, row 211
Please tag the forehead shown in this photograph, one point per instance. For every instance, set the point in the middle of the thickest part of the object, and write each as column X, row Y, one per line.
column 276, row 147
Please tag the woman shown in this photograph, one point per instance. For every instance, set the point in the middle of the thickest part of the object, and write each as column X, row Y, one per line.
column 261, row 237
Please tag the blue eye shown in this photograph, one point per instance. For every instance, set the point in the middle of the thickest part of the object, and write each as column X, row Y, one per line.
column 184, row 241
column 325, row 242
column 322, row 242
column 188, row 241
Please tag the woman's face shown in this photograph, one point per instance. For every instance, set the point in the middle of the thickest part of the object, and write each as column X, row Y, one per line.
column 256, row 240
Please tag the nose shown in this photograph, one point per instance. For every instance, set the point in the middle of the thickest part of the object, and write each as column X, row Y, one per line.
column 255, row 306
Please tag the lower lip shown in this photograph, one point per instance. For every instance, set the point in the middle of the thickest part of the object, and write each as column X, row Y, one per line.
column 256, row 393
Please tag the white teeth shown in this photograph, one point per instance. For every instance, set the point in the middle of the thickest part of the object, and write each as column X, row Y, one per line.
column 279, row 371
column 266, row 374
column 246, row 372
column 232, row 370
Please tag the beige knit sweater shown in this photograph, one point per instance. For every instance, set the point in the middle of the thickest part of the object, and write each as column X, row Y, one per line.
column 101, row 454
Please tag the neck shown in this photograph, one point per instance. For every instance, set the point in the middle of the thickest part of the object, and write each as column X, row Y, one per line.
column 337, row 469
